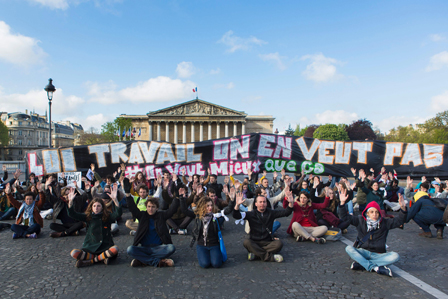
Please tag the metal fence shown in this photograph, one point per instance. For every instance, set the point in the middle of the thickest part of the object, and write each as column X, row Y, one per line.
column 12, row 166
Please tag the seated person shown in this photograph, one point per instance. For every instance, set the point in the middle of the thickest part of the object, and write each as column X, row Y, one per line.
column 28, row 220
column 370, row 252
column 303, row 224
column 328, row 216
column 261, row 243
column 152, row 233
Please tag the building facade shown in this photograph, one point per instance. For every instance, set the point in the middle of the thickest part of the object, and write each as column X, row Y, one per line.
column 197, row 120
column 30, row 131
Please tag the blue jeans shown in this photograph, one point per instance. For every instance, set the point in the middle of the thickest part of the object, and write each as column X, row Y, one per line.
column 23, row 230
column 369, row 260
column 209, row 256
column 6, row 215
column 349, row 206
column 425, row 226
column 243, row 208
column 275, row 226
column 151, row 255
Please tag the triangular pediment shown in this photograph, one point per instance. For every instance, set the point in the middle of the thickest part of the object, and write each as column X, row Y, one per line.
column 197, row 108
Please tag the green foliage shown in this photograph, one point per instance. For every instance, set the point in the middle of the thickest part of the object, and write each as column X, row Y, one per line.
column 4, row 136
column 289, row 131
column 109, row 130
column 331, row 132
column 300, row 132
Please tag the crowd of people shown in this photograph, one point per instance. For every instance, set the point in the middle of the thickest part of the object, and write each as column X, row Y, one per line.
column 170, row 204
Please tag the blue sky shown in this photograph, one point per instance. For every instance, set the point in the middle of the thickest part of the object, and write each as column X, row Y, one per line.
column 304, row 62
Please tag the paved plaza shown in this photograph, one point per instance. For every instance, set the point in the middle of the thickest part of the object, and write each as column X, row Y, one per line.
column 43, row 268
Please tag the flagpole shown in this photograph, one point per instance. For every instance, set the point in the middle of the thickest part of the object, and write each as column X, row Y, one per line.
column 119, row 134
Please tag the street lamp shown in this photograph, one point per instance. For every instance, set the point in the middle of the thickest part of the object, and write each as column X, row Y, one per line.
column 50, row 89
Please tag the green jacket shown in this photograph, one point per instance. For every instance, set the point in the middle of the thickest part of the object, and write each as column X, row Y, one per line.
column 98, row 237
column 361, row 196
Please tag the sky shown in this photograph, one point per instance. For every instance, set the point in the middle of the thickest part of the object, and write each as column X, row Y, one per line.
column 303, row 62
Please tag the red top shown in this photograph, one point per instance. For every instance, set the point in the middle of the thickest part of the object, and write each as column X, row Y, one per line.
column 305, row 214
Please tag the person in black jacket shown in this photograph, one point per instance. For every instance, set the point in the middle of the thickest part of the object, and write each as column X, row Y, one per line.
column 370, row 251
column 152, row 233
column 261, row 242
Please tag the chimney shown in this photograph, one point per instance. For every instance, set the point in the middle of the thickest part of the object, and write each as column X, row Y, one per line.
column 26, row 111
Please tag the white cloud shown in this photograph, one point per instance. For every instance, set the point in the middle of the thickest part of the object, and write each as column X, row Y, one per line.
column 227, row 86
column 385, row 125
column 439, row 103
column 438, row 61
column 215, row 72
column 62, row 105
column 185, row 69
column 437, row 37
column 95, row 120
column 238, row 43
column 159, row 89
column 321, row 68
column 19, row 49
column 53, row 4
column 275, row 58
column 330, row 117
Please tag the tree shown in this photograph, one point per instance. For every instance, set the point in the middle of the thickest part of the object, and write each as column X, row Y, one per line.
column 4, row 139
column 309, row 132
column 331, row 132
column 361, row 130
column 289, row 131
column 109, row 130
column 300, row 132
column 91, row 136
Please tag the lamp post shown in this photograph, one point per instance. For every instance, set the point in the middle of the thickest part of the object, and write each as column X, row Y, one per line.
column 50, row 89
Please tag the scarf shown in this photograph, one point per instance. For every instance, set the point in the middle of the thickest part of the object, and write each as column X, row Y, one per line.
column 371, row 224
column 27, row 212
column 205, row 223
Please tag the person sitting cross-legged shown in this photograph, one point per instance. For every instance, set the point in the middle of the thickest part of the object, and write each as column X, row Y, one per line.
column 261, row 243
column 152, row 233
column 370, row 252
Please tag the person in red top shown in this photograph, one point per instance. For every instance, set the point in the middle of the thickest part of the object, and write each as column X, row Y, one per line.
column 303, row 224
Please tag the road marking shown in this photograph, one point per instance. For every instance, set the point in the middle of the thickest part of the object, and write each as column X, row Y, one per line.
column 412, row 279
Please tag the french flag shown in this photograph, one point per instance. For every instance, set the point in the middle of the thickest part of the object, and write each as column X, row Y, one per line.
column 124, row 133
column 139, row 132
column 195, row 89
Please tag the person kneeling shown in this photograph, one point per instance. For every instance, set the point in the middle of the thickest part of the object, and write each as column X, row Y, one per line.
column 152, row 233
column 369, row 251
column 261, row 243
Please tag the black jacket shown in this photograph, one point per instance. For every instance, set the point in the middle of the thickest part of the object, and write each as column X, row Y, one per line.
column 260, row 223
column 377, row 242
column 159, row 217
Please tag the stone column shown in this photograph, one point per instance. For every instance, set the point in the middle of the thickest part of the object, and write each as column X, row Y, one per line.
column 192, row 131
column 150, row 131
column 243, row 128
column 226, row 130
column 158, row 131
column 209, row 130
column 167, row 131
column 235, row 124
column 218, row 129
column 201, row 131
column 175, row 132
column 184, row 132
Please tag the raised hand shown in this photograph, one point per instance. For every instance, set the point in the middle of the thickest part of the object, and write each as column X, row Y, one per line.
column 315, row 182
column 401, row 201
column 190, row 179
column 132, row 179
column 123, row 167
column 353, row 171
column 48, row 182
column 237, row 184
column 249, row 173
column 423, row 179
column 92, row 167
column 4, row 167
column 372, row 170
column 174, row 177
column 113, row 194
column 409, row 182
column 62, row 175
column 225, row 189
column 182, row 192
column 283, row 172
column 289, row 197
column 343, row 196
column 39, row 186
column 275, row 175
column 184, row 172
column 438, row 180
column 239, row 199
column 265, row 173
column 391, row 176
column 231, row 172
column 71, row 196
column 115, row 174
column 199, row 190
column 232, row 193
column 201, row 179
column 226, row 180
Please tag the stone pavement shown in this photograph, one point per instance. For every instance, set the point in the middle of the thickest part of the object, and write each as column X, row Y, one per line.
column 43, row 268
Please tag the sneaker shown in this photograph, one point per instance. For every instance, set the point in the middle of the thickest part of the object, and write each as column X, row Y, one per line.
column 137, row 263
column 107, row 260
column 439, row 234
column 344, row 231
column 166, row 263
column 278, row 258
column 425, row 234
column 383, row 270
column 49, row 217
column 182, row 231
column 251, row 256
column 300, row 239
column 15, row 236
column 132, row 232
column 82, row 263
column 356, row 266
column 32, row 236
column 320, row 240
column 55, row 234
column 76, row 233
column 173, row 231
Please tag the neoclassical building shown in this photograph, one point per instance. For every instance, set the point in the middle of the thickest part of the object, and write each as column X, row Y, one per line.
column 197, row 120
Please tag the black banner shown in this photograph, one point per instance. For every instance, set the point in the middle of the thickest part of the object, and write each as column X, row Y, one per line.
column 255, row 151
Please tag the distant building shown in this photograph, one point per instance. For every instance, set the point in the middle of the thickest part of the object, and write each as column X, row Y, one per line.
column 29, row 131
column 197, row 120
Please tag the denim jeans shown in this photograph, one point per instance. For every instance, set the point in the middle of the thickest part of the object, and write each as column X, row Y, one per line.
column 151, row 255
column 23, row 230
column 425, row 226
column 6, row 215
column 349, row 207
column 209, row 256
column 369, row 260
column 275, row 226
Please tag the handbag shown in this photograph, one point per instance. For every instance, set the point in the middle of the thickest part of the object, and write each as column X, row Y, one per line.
column 221, row 243
column 358, row 243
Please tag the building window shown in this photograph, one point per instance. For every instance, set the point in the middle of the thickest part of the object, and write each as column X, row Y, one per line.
column 20, row 123
column 20, row 132
column 10, row 122
column 20, row 152
column 20, row 142
column 11, row 142
column 29, row 142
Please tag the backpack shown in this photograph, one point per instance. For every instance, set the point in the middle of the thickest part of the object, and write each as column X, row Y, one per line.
column 333, row 234
column 445, row 215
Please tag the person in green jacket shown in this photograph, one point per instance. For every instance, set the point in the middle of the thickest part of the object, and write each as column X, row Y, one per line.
column 361, row 196
column 98, row 244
